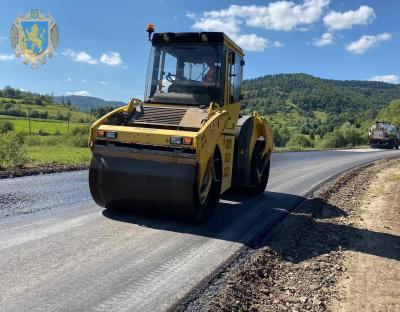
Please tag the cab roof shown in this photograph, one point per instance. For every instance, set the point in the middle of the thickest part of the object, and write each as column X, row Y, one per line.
column 195, row 38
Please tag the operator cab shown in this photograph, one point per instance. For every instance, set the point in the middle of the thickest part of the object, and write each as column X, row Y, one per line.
column 190, row 69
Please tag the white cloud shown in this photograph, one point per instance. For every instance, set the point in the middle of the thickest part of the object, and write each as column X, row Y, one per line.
column 366, row 42
column 80, row 57
column 208, row 22
column 6, row 57
column 326, row 39
column 279, row 15
column 286, row 15
column 80, row 93
column 83, row 80
column 111, row 59
column 191, row 15
column 251, row 42
column 278, row 44
column 337, row 20
column 3, row 38
column 386, row 78
column 69, row 80
column 103, row 82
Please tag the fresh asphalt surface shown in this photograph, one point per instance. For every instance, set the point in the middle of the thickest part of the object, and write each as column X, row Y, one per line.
column 61, row 252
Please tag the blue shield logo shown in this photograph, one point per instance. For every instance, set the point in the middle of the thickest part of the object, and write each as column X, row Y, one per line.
column 35, row 36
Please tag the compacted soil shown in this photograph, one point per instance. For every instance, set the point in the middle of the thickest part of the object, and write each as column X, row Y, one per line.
column 38, row 169
column 373, row 279
column 337, row 251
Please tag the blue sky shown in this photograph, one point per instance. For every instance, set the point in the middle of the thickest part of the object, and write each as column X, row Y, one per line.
column 103, row 48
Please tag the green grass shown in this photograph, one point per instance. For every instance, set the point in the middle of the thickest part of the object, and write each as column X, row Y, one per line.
column 52, row 139
column 50, row 149
column 52, row 109
column 21, row 124
column 58, row 155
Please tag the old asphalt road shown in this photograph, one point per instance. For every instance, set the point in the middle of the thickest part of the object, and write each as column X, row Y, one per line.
column 61, row 252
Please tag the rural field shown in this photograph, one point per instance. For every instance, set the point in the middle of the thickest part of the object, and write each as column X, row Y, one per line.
column 35, row 130
column 38, row 126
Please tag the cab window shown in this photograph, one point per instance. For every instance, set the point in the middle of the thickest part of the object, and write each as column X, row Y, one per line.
column 235, row 76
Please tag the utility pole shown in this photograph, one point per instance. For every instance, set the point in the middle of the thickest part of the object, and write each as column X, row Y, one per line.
column 69, row 118
column 29, row 119
column 69, row 113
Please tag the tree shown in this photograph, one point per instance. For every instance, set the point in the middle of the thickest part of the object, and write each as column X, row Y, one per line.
column 6, row 126
column 101, row 111
column 281, row 136
column 300, row 140
column 34, row 114
column 12, row 150
column 8, row 92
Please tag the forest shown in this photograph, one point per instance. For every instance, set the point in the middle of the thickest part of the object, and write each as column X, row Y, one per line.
column 306, row 111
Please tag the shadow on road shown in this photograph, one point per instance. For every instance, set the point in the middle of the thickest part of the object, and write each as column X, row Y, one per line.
column 243, row 220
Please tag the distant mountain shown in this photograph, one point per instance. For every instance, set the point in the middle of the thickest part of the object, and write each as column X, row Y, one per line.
column 314, row 107
column 283, row 92
column 86, row 103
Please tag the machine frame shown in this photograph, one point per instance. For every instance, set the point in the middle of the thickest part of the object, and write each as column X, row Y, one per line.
column 223, row 151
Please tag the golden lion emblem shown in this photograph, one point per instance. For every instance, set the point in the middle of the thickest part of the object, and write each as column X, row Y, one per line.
column 34, row 36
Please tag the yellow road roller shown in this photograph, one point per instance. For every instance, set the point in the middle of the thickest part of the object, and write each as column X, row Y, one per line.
column 177, row 151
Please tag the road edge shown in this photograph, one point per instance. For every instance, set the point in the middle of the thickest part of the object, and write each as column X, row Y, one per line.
column 243, row 253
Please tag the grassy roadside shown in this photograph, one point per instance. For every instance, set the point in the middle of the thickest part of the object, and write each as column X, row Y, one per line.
column 36, row 132
column 18, row 149
column 39, row 155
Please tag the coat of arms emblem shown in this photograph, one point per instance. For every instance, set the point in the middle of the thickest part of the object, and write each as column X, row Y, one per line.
column 33, row 36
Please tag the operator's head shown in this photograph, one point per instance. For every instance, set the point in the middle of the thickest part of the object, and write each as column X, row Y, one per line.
column 210, row 64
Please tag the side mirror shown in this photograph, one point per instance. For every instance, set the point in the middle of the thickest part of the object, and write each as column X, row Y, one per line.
column 135, row 105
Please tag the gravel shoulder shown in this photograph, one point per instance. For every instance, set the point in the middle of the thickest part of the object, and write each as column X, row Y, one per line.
column 373, row 279
column 338, row 250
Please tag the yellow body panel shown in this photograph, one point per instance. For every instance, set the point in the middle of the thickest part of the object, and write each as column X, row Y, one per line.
column 99, row 122
column 147, row 136
column 210, row 136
